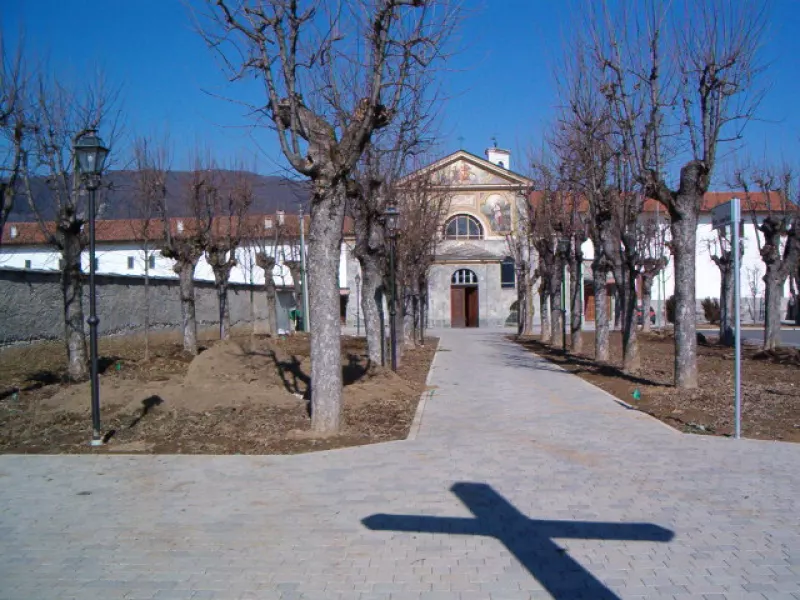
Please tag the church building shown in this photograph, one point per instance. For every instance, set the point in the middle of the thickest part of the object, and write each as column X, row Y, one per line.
column 472, row 281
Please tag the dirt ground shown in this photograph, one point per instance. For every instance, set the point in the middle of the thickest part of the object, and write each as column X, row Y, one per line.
column 247, row 395
column 770, row 385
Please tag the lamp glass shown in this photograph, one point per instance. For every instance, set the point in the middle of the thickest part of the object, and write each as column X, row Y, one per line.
column 91, row 153
column 392, row 214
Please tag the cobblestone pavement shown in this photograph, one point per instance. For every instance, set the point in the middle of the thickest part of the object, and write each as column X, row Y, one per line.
column 523, row 482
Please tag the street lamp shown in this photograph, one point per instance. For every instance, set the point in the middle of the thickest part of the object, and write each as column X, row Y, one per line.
column 391, row 215
column 358, row 304
column 563, row 250
column 90, row 156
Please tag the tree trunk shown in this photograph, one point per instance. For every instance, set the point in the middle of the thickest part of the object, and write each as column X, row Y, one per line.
column 324, row 249
column 221, row 267
column 631, row 361
column 773, row 293
column 372, row 306
column 727, row 320
column 601, row 325
column 683, row 228
column 556, row 314
column 647, row 298
column 576, row 304
column 72, row 293
column 272, row 304
column 544, row 316
column 186, row 278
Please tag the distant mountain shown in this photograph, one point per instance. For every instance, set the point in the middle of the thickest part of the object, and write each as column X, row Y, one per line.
column 119, row 201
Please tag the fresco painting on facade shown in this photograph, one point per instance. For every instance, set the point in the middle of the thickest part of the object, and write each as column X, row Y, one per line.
column 498, row 211
column 464, row 173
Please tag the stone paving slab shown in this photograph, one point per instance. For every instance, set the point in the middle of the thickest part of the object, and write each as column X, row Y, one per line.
column 523, row 482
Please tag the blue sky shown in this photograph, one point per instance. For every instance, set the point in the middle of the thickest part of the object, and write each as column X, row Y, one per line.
column 501, row 83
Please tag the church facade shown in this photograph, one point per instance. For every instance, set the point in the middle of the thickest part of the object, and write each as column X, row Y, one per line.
column 472, row 282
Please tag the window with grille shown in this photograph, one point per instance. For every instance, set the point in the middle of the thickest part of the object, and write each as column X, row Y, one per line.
column 508, row 276
column 464, row 277
column 463, row 227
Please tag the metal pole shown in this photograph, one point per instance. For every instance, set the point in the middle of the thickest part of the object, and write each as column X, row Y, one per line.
column 303, row 275
column 392, row 307
column 97, row 439
column 737, row 384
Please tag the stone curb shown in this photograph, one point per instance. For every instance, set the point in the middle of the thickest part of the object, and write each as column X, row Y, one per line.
column 416, row 424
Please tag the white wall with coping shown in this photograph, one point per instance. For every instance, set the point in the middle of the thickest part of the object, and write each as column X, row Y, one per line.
column 112, row 259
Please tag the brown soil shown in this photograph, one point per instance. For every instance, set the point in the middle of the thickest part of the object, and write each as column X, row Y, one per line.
column 770, row 385
column 247, row 395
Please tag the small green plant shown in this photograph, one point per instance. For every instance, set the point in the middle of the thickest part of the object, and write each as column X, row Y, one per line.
column 711, row 310
column 670, row 306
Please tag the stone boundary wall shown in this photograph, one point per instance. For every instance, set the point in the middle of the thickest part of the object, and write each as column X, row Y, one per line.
column 31, row 305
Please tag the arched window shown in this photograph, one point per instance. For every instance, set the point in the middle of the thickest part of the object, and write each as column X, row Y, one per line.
column 463, row 227
column 508, row 277
column 464, row 277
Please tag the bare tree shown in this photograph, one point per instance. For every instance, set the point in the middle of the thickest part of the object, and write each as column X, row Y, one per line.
column 151, row 159
column 186, row 239
column 332, row 74
column 720, row 249
column 267, row 246
column 780, row 246
column 754, row 280
column 585, row 142
column 15, row 126
column 233, row 202
column 651, row 241
column 54, row 192
column 678, row 75
column 423, row 205
column 520, row 246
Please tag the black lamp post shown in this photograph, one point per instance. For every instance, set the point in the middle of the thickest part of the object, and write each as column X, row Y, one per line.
column 90, row 157
column 563, row 250
column 391, row 216
column 358, row 304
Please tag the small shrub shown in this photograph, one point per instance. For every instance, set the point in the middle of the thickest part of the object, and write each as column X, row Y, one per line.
column 711, row 310
column 670, row 306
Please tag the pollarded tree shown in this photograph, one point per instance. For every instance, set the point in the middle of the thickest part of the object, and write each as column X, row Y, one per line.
column 720, row 249
column 55, row 192
column 233, row 202
column 680, row 78
column 777, row 236
column 332, row 75
column 186, row 239
column 151, row 159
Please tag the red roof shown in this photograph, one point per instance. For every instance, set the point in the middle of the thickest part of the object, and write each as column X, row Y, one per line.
column 762, row 203
column 132, row 230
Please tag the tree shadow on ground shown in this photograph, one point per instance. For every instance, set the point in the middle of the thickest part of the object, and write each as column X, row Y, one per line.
column 584, row 364
column 294, row 379
column 529, row 540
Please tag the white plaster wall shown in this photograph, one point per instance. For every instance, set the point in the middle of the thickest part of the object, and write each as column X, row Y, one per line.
column 113, row 260
column 707, row 284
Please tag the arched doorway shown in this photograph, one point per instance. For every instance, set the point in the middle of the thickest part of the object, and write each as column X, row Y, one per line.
column 464, row 299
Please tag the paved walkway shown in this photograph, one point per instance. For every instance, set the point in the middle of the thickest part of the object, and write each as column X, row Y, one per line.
column 524, row 482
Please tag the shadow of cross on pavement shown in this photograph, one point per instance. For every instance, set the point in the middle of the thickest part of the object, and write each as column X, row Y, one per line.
column 529, row 540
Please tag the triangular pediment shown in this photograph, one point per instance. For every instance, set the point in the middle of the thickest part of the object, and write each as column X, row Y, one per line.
column 462, row 169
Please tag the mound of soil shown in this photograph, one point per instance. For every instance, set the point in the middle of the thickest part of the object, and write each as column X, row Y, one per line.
column 244, row 395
